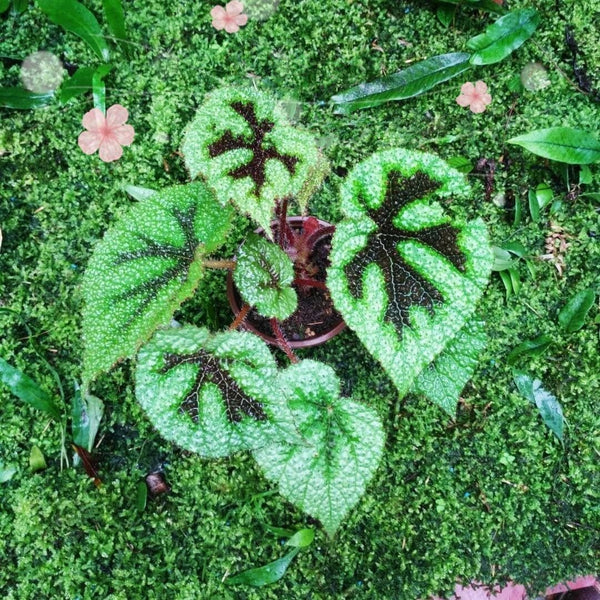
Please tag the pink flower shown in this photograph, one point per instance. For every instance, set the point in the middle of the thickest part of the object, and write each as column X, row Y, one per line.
column 106, row 133
column 476, row 96
column 229, row 18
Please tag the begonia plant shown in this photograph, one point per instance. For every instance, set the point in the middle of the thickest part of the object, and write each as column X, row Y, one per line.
column 405, row 276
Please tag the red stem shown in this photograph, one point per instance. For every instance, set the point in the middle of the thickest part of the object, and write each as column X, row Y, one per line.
column 319, row 233
column 241, row 316
column 282, row 342
column 285, row 235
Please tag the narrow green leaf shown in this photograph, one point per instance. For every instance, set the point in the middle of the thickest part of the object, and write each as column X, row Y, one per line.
column 141, row 497
column 86, row 414
column 331, row 447
column 585, row 175
column 572, row 316
column 507, row 281
column 533, row 347
column 139, row 193
column 73, row 16
column 79, row 83
column 547, row 404
column 148, row 263
column 7, row 472
column 261, row 576
column 544, row 195
column 534, row 207
column 412, row 81
column 302, row 538
column 504, row 36
column 444, row 379
column 115, row 18
column 27, row 390
column 518, row 212
column 263, row 276
column 22, row 99
column 515, row 279
column 98, row 87
column 563, row 144
column 37, row 462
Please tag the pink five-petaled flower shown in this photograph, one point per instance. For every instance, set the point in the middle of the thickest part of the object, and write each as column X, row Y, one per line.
column 476, row 97
column 106, row 133
column 229, row 18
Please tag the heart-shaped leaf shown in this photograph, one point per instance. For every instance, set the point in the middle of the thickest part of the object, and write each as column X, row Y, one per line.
column 242, row 143
column 207, row 393
column 403, row 275
column 263, row 276
column 504, row 36
column 412, row 81
column 444, row 379
column 563, row 144
column 144, row 268
column 332, row 448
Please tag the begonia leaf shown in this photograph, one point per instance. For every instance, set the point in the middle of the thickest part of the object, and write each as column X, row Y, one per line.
column 409, row 82
column 241, row 142
column 503, row 36
column 263, row 276
column 148, row 263
column 405, row 277
column 444, row 379
column 207, row 393
column 332, row 448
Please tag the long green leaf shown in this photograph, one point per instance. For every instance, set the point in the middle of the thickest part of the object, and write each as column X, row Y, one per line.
column 76, row 18
column 533, row 347
column 572, row 316
column 115, row 18
column 267, row 574
column 503, row 37
column 144, row 268
column 27, row 390
column 563, row 144
column 20, row 98
column 98, row 87
column 79, row 83
column 414, row 80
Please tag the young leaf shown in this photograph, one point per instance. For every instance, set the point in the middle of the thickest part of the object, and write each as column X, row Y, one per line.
column 563, row 144
column 7, row 472
column 444, row 379
column 27, row 390
column 332, row 448
column 141, row 497
column 86, row 414
column 544, row 195
column 585, row 175
column 533, row 347
column 241, row 142
column 549, row 407
column 302, row 538
column 263, row 276
column 412, row 81
column 139, row 193
column 115, row 18
column 504, row 36
column 572, row 316
column 148, row 263
column 207, row 393
column 20, row 98
column 37, row 462
column 265, row 575
column 403, row 275
column 534, row 207
column 79, row 83
column 73, row 16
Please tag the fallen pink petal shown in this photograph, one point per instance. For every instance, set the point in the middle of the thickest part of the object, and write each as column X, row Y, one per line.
column 230, row 18
column 475, row 96
column 107, row 134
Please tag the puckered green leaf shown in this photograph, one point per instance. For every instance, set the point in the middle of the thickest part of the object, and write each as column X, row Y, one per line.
column 144, row 268
column 563, row 144
column 332, row 448
column 504, row 36
column 403, row 275
column 409, row 82
column 263, row 276
column 444, row 379
column 241, row 142
column 207, row 393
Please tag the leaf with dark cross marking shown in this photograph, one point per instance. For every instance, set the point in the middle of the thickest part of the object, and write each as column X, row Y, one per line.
column 403, row 275
column 144, row 268
column 242, row 144
column 208, row 393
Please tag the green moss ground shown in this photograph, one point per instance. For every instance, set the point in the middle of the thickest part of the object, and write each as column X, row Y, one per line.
column 491, row 495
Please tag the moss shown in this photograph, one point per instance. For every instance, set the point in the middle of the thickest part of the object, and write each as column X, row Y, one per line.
column 491, row 495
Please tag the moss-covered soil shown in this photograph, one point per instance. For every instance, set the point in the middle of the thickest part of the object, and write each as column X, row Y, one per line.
column 490, row 495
